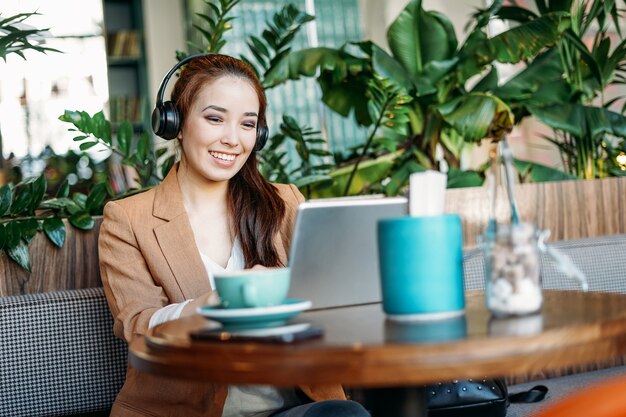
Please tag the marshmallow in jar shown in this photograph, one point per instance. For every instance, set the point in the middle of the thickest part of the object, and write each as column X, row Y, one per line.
column 513, row 286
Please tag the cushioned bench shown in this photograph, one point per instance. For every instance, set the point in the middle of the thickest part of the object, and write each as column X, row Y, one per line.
column 58, row 354
column 602, row 259
column 59, row 357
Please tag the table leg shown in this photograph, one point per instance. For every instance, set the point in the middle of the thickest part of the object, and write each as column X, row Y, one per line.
column 394, row 401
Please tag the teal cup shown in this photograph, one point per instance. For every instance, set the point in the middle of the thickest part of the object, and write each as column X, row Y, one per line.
column 252, row 288
column 421, row 267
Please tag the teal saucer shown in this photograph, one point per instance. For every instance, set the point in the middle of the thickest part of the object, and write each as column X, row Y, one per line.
column 257, row 316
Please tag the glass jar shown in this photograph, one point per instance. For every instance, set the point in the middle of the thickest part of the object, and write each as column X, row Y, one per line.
column 512, row 271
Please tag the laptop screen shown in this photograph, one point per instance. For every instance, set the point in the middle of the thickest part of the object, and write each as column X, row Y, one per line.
column 334, row 253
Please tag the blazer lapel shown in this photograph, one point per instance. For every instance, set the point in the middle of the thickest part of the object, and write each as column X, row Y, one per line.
column 176, row 238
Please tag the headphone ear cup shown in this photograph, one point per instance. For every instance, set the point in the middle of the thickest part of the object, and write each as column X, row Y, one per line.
column 262, row 135
column 165, row 121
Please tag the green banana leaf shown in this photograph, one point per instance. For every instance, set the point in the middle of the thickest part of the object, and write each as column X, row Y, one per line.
column 369, row 172
column 423, row 84
column 540, row 173
column 388, row 67
column 512, row 46
column 540, row 82
column 526, row 40
column 307, row 61
column 460, row 179
column 417, row 37
column 477, row 116
column 340, row 77
column 346, row 96
column 581, row 121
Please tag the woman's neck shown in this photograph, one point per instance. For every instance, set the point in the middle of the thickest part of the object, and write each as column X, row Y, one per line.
column 200, row 194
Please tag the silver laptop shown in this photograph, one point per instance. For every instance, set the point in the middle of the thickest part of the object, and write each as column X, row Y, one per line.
column 334, row 254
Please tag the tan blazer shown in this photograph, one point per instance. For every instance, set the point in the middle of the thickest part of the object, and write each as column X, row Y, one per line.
column 149, row 259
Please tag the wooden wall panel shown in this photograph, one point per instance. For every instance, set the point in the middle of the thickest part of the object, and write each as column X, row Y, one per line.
column 570, row 209
column 73, row 266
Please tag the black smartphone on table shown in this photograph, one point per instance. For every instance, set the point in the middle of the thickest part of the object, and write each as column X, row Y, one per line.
column 290, row 333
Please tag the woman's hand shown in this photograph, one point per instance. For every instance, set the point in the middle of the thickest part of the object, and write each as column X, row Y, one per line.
column 210, row 298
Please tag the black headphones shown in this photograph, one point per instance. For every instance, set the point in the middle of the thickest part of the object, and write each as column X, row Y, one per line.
column 166, row 119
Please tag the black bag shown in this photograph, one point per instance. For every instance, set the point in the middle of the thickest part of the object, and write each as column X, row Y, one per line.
column 462, row 398
column 476, row 398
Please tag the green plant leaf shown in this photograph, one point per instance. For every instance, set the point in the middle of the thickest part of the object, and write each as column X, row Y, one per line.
column 82, row 220
column 38, row 189
column 452, row 140
column 64, row 189
column 6, row 199
column 3, row 236
column 346, row 97
column 13, row 234
column 311, row 180
column 87, row 145
column 459, row 179
column 61, row 203
column 95, row 200
column 17, row 37
column 144, row 146
column 584, row 122
column 488, row 83
column 400, row 176
column 24, row 197
column 98, row 121
column 477, row 116
column 370, row 172
column 387, row 67
column 28, row 229
column 19, row 253
column 540, row 173
column 125, row 137
column 305, row 62
column 80, row 199
column 417, row 37
column 589, row 60
column 526, row 40
column 540, row 74
column 73, row 117
column 54, row 228
column 167, row 165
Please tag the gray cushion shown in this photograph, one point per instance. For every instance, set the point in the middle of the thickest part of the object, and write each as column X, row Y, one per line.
column 58, row 354
column 601, row 259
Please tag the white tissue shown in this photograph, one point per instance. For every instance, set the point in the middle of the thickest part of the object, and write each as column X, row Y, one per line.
column 427, row 193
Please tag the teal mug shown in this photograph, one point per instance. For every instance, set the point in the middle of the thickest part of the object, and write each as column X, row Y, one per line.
column 252, row 287
column 421, row 267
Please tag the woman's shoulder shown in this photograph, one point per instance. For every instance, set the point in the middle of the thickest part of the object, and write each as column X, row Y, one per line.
column 137, row 203
column 289, row 193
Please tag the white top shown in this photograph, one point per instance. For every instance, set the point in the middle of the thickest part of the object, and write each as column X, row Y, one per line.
column 173, row 311
column 242, row 400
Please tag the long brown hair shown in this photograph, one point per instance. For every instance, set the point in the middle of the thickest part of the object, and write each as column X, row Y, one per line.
column 255, row 208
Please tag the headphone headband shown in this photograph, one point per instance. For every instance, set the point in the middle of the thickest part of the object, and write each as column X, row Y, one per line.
column 161, row 91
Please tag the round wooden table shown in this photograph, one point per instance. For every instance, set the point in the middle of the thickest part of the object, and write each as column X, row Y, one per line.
column 361, row 348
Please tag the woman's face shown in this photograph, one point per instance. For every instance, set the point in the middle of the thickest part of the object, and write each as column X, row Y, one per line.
column 219, row 131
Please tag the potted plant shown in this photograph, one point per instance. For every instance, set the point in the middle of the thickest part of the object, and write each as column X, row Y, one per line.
column 565, row 87
column 427, row 71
